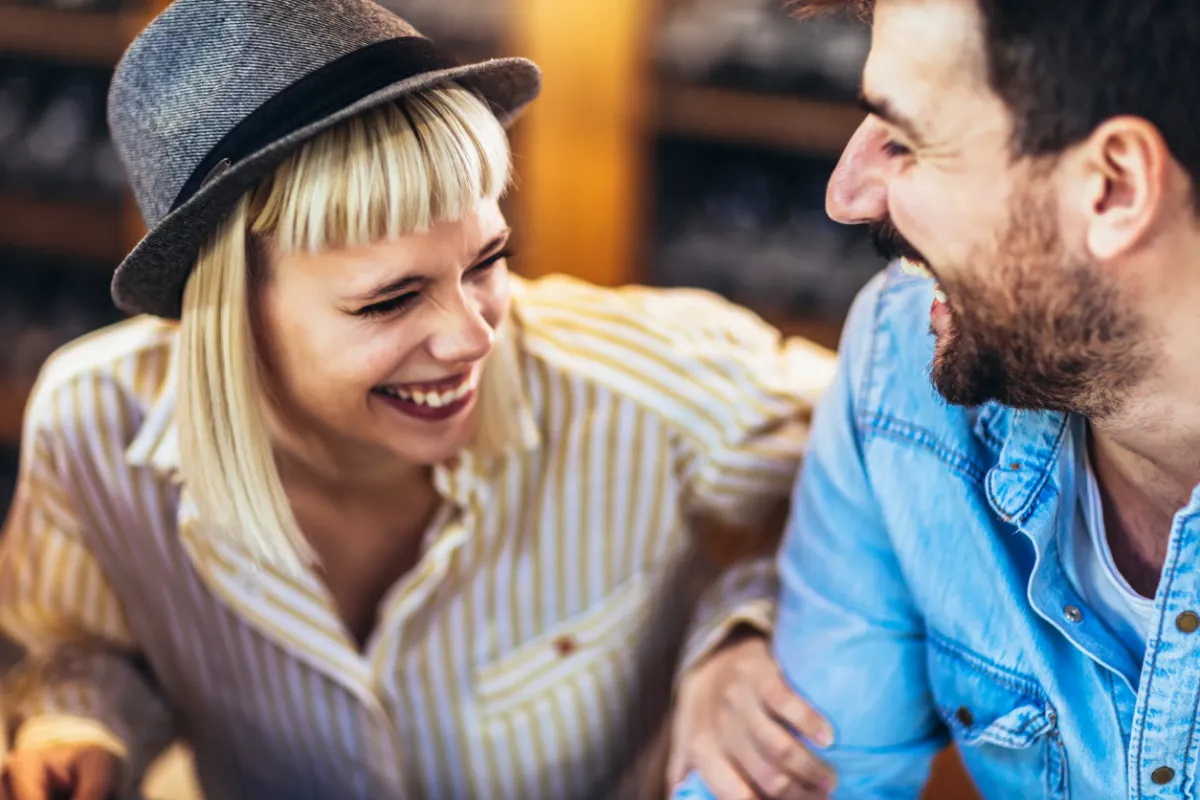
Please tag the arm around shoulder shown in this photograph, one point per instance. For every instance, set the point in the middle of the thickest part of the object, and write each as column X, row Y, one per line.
column 847, row 635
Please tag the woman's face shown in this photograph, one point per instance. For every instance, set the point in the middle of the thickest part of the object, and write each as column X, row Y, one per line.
column 381, row 347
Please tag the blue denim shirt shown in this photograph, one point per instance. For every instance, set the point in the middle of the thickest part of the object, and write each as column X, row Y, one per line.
column 924, row 598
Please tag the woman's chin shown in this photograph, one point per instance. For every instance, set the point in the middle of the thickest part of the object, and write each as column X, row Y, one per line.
column 429, row 444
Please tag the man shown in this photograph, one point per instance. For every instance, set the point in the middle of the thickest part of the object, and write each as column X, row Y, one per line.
column 1013, row 566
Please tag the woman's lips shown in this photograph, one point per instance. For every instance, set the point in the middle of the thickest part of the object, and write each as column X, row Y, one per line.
column 426, row 412
column 434, row 400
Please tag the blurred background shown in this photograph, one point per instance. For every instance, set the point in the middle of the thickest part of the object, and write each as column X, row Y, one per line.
column 676, row 143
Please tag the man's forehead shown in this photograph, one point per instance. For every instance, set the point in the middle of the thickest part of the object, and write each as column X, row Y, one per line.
column 927, row 42
column 922, row 48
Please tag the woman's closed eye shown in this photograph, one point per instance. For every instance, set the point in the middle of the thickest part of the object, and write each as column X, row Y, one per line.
column 403, row 302
column 489, row 262
column 383, row 307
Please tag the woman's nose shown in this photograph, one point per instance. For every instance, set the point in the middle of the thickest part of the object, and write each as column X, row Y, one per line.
column 463, row 336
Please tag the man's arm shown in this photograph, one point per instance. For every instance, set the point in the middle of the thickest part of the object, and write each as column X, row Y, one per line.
column 849, row 637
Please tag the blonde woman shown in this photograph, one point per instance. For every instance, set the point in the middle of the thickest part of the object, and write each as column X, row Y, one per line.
column 346, row 507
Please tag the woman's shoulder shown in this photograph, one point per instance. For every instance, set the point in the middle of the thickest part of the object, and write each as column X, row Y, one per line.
column 682, row 354
column 113, row 373
column 669, row 319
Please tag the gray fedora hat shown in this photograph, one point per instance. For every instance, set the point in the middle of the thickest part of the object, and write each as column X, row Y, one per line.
column 214, row 94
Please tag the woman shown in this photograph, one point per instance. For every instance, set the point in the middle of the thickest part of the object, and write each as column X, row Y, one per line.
column 346, row 507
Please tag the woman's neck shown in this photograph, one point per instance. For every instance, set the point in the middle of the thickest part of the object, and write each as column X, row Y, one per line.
column 345, row 470
column 312, row 457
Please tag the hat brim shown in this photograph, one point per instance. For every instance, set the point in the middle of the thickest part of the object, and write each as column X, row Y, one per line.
column 151, row 279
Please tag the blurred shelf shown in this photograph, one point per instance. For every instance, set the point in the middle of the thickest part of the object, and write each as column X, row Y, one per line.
column 81, row 37
column 809, row 126
column 90, row 231
column 824, row 332
column 12, row 409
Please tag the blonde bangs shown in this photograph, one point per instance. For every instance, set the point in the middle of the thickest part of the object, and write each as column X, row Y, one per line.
column 395, row 170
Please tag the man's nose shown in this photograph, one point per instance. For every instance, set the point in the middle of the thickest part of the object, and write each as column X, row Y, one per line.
column 857, row 192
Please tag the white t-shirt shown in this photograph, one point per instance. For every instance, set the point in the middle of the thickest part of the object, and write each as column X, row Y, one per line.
column 1090, row 568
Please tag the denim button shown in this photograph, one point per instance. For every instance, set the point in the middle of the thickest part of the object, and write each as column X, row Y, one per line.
column 1187, row 622
column 1162, row 776
column 1073, row 614
column 965, row 716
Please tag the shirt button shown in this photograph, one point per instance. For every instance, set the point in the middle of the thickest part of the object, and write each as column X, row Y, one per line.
column 248, row 581
column 1162, row 776
column 1073, row 614
column 1187, row 622
column 565, row 645
column 965, row 716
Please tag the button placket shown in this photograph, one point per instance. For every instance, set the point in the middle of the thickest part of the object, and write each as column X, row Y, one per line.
column 1161, row 757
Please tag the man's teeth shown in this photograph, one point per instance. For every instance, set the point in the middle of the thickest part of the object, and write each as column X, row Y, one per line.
column 940, row 296
column 914, row 268
column 433, row 399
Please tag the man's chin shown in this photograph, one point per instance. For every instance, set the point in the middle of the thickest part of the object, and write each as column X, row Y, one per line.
column 943, row 344
column 957, row 383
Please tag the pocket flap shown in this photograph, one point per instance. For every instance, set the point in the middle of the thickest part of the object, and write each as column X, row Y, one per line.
column 986, row 704
column 569, row 646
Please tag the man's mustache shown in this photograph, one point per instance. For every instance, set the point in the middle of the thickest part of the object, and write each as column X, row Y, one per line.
column 890, row 243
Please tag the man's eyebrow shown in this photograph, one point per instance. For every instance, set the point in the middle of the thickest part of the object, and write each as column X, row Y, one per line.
column 886, row 111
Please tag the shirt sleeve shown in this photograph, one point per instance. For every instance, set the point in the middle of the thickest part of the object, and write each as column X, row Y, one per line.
column 80, row 680
column 740, row 461
column 739, row 469
column 848, row 635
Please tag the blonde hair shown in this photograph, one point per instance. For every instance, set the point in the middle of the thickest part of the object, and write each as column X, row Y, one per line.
column 394, row 170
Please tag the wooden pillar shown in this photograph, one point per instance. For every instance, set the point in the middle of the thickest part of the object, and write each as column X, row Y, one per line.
column 580, row 151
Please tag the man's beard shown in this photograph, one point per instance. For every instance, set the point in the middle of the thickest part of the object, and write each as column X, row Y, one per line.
column 1034, row 328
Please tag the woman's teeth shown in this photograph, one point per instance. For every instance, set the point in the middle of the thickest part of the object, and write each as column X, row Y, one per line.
column 434, row 399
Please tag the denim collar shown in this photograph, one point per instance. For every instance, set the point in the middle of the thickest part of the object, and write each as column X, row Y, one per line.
column 1030, row 444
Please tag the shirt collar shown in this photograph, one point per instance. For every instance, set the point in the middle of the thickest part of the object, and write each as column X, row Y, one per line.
column 1030, row 444
column 156, row 444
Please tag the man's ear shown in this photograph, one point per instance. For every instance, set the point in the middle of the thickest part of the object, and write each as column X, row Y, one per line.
column 1124, row 168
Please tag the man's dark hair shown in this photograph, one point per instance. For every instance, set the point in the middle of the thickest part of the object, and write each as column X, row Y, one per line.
column 1063, row 67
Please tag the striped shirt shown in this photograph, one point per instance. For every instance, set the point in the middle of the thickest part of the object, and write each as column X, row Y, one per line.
column 531, row 651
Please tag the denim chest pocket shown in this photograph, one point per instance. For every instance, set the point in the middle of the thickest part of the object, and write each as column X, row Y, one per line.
column 1005, row 728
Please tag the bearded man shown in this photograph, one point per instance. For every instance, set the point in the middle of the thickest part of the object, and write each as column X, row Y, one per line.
column 1011, row 562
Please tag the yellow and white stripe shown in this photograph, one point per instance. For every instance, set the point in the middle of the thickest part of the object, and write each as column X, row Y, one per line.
column 529, row 653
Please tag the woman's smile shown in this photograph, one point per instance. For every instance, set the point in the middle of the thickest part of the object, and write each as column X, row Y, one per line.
column 432, row 401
